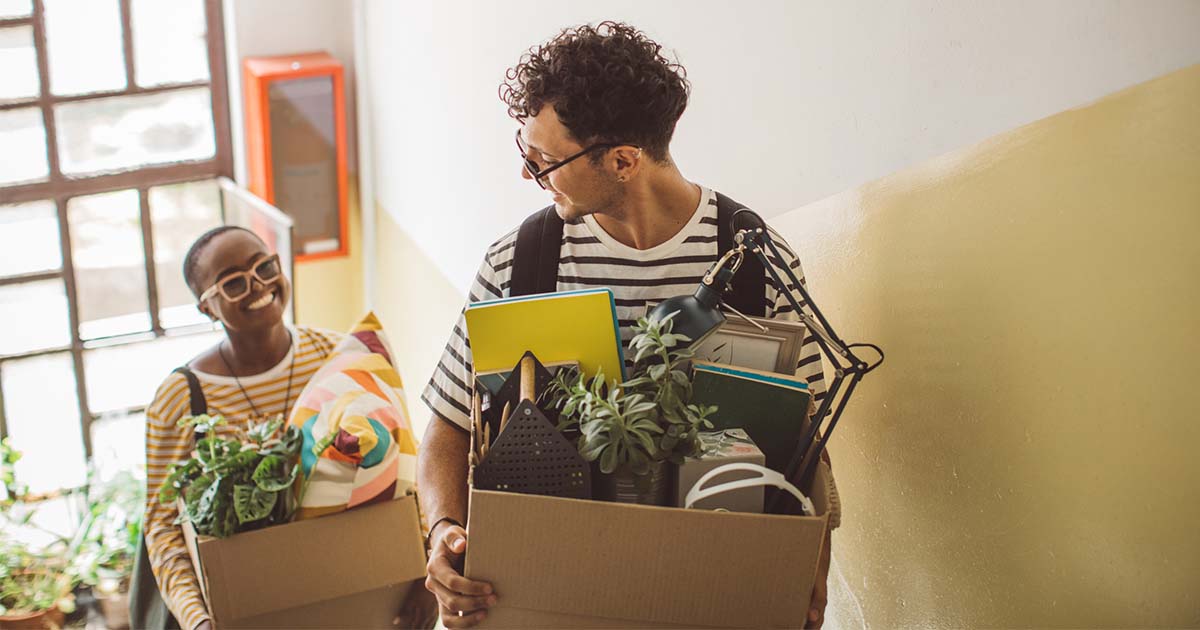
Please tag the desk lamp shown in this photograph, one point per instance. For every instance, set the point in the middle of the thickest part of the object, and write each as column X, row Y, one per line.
column 700, row 314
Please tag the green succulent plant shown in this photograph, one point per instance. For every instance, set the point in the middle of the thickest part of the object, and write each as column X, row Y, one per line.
column 648, row 418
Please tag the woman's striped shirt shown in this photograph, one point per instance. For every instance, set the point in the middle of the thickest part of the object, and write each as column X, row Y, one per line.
column 589, row 258
column 167, row 444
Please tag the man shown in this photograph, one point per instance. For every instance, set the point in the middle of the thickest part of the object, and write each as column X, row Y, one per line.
column 597, row 108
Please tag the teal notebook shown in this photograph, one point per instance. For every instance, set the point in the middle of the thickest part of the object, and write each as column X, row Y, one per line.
column 772, row 408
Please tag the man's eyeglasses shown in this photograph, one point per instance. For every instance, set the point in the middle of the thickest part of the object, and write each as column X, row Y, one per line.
column 537, row 175
column 236, row 285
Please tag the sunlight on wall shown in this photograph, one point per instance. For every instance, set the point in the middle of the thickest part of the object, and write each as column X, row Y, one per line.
column 1026, row 455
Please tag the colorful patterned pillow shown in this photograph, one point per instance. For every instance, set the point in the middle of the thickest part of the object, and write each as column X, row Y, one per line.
column 355, row 402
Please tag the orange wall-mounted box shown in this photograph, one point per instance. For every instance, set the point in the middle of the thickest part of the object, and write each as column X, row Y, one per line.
column 296, row 146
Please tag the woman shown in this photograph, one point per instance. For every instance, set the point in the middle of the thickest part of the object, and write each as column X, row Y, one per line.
column 256, row 372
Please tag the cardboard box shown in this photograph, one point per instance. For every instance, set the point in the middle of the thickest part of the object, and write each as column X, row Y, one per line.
column 568, row 563
column 351, row 569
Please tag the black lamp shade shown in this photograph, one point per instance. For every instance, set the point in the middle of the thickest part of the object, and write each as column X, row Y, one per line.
column 699, row 314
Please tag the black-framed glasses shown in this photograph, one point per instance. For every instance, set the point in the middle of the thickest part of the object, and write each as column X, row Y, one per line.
column 236, row 285
column 531, row 166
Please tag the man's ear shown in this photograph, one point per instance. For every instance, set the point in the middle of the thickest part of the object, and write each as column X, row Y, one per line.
column 627, row 162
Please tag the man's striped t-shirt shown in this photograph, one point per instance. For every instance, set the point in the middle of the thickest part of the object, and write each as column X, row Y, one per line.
column 589, row 258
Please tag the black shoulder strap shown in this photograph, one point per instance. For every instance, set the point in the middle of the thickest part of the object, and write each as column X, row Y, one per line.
column 535, row 259
column 748, row 290
column 199, row 405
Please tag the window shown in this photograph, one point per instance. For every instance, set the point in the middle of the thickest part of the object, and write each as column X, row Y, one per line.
column 114, row 134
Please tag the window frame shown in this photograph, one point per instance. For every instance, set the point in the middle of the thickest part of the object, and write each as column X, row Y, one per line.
column 60, row 189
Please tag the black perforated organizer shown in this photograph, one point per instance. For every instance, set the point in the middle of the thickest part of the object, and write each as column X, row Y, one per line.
column 530, row 456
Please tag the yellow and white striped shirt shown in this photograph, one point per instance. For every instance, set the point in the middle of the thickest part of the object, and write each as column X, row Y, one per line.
column 167, row 444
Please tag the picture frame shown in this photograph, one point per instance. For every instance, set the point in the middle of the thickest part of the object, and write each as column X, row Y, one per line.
column 740, row 343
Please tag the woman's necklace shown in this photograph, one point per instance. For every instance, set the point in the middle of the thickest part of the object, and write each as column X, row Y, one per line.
column 287, row 397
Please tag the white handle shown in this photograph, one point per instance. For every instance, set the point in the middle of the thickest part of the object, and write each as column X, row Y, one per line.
column 767, row 477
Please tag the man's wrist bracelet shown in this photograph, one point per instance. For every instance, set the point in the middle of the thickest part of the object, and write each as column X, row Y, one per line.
column 433, row 528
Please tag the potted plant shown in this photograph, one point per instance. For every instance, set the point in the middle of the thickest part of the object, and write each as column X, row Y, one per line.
column 35, row 581
column 231, row 485
column 633, row 430
column 107, row 542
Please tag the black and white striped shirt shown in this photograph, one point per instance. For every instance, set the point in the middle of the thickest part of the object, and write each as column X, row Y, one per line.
column 589, row 258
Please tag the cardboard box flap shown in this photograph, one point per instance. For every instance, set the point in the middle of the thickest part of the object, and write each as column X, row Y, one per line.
column 686, row 567
column 289, row 565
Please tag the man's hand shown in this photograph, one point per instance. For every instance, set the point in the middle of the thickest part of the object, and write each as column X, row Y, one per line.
column 463, row 603
column 419, row 610
column 204, row 625
column 816, row 609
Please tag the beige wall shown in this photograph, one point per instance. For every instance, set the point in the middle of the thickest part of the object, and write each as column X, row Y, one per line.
column 329, row 292
column 1027, row 456
column 417, row 306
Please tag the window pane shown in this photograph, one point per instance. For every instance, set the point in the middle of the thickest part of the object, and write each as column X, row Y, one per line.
column 29, row 238
column 23, row 137
column 179, row 214
column 15, row 8
column 42, row 412
column 119, row 444
column 126, row 376
column 168, row 41
column 18, row 64
column 122, row 132
column 305, row 168
column 34, row 316
column 84, row 46
column 110, row 276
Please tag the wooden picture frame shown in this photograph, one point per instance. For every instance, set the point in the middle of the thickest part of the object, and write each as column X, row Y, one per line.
column 739, row 343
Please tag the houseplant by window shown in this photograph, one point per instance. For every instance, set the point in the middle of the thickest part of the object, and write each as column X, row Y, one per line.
column 35, row 580
column 632, row 431
column 107, row 543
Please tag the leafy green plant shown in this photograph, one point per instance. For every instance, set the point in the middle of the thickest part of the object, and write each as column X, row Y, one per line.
column 33, row 581
column 230, row 485
column 646, row 419
column 107, row 539
column 33, row 578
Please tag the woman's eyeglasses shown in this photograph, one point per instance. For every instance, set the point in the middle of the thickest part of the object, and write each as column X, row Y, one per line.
column 236, row 285
column 531, row 167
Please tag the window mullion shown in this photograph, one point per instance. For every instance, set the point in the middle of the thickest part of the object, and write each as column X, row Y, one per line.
column 127, row 40
column 218, row 85
column 68, row 265
column 43, row 63
column 148, row 254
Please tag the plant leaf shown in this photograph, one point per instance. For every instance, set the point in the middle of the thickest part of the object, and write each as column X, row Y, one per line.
column 252, row 503
column 272, row 475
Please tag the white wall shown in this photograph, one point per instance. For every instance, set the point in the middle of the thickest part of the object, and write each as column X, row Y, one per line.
column 283, row 27
column 792, row 101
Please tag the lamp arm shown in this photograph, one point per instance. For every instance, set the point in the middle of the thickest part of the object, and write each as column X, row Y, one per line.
column 805, row 458
column 824, row 333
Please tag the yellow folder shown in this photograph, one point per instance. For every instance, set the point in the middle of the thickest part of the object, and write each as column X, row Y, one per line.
column 568, row 326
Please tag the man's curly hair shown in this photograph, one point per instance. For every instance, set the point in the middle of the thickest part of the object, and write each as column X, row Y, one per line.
column 607, row 83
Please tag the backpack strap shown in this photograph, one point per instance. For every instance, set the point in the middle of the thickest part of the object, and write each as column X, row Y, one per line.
column 535, row 260
column 199, row 405
column 748, row 290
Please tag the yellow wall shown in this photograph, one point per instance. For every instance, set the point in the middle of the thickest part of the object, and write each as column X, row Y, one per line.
column 329, row 292
column 418, row 307
column 1028, row 454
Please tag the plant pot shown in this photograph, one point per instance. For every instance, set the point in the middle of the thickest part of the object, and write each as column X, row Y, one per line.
column 115, row 609
column 653, row 488
column 42, row 620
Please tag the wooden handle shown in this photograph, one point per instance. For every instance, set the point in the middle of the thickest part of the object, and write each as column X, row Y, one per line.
column 527, row 378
